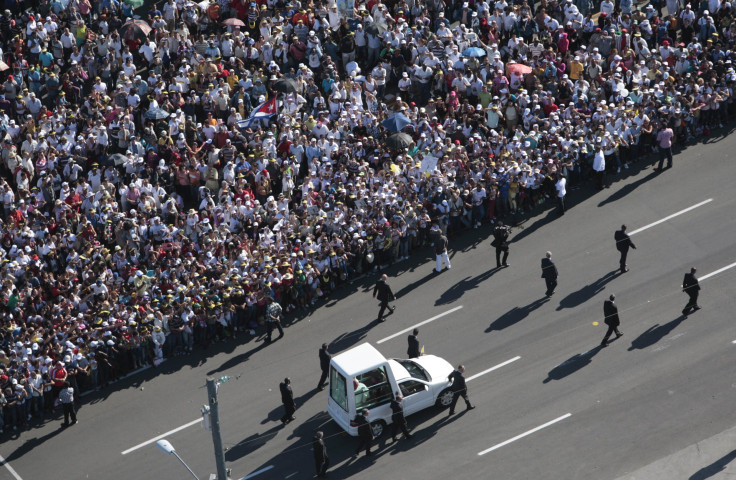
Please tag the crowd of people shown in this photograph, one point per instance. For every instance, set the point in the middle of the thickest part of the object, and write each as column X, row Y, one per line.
column 147, row 212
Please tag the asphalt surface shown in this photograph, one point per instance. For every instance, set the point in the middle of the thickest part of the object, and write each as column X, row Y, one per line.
column 655, row 404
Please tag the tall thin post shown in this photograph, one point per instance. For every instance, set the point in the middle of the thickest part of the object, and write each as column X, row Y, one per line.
column 215, row 422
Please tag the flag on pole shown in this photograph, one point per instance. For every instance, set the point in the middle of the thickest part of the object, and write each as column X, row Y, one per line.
column 422, row 350
column 263, row 111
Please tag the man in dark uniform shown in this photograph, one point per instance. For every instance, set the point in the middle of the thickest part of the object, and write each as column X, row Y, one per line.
column 500, row 242
column 397, row 417
column 459, row 388
column 610, row 313
column 324, row 364
column 549, row 274
column 413, row 350
column 691, row 286
column 287, row 398
column 385, row 295
column 623, row 243
column 365, row 433
column 321, row 460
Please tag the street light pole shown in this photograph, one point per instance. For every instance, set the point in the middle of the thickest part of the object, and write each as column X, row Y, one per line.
column 215, row 424
column 167, row 448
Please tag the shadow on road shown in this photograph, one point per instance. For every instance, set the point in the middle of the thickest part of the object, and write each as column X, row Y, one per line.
column 572, row 364
column 348, row 339
column 654, row 334
column 238, row 359
column 627, row 189
column 250, row 444
column 515, row 315
column 581, row 296
column 30, row 443
column 551, row 216
column 714, row 468
column 458, row 290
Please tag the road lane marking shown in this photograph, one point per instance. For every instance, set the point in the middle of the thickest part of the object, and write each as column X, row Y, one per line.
column 420, row 324
column 10, row 469
column 677, row 214
column 156, row 439
column 258, row 472
column 492, row 369
column 533, row 430
column 720, row 270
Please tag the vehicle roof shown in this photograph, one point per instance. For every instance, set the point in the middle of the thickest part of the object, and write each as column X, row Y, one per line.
column 358, row 359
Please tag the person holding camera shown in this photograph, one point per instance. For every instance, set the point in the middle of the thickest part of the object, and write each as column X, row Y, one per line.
column 273, row 318
column 500, row 242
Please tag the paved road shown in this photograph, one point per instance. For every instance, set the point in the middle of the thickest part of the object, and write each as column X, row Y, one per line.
column 657, row 400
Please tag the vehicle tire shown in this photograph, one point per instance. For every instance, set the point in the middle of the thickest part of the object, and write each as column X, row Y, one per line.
column 378, row 427
column 444, row 399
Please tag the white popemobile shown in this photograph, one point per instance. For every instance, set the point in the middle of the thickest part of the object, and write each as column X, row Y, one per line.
column 362, row 378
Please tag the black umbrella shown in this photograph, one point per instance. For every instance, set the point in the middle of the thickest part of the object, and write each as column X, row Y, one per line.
column 285, row 85
column 135, row 30
column 376, row 28
column 399, row 140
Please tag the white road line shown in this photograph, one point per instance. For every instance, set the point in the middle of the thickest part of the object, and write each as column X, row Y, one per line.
column 257, row 472
column 720, row 270
column 10, row 469
column 670, row 217
column 502, row 444
column 420, row 324
column 156, row 439
column 492, row 369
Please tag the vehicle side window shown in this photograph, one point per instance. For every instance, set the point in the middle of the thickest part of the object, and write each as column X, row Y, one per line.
column 338, row 388
column 410, row 387
column 372, row 389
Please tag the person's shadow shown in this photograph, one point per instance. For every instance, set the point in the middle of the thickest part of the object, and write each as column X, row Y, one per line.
column 654, row 334
column 458, row 290
column 515, row 315
column 589, row 291
column 572, row 364
column 251, row 444
column 714, row 468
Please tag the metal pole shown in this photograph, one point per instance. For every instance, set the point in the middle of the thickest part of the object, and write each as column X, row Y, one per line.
column 182, row 462
column 215, row 422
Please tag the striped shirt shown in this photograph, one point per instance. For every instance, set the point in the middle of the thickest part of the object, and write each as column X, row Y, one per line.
column 66, row 396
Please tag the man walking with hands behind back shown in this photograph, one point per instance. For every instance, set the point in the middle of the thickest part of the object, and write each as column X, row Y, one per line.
column 414, row 351
column 287, row 398
column 459, row 388
column 623, row 243
column 365, row 433
column 549, row 274
column 610, row 312
column 324, row 364
column 384, row 294
column 691, row 286
column 321, row 460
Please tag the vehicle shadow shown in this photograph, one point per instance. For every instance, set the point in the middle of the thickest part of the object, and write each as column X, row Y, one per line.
column 589, row 291
column 714, row 468
column 458, row 290
column 572, row 364
column 515, row 315
column 654, row 334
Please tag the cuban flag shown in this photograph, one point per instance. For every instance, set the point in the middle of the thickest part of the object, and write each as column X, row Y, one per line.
column 263, row 111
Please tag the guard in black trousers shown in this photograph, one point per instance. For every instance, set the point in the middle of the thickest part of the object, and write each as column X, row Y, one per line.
column 321, row 460
column 623, row 243
column 365, row 433
column 501, row 244
column 398, row 419
column 383, row 292
column 287, row 398
column 691, row 286
column 549, row 274
column 414, row 350
column 324, row 364
column 610, row 312
column 459, row 388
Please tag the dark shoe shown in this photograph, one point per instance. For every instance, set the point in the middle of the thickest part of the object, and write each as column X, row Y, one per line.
column 320, row 387
column 75, row 422
column 393, row 309
column 686, row 311
column 505, row 265
column 471, row 407
column 696, row 307
column 620, row 334
column 292, row 419
column 381, row 320
column 604, row 344
column 624, row 270
column 452, row 413
column 394, row 439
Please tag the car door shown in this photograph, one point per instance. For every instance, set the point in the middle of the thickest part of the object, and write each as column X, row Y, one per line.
column 417, row 395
